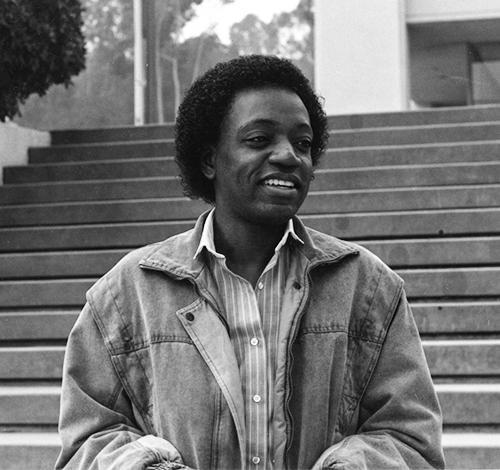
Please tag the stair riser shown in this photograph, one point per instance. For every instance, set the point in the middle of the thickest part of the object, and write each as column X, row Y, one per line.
column 166, row 131
column 472, row 457
column 29, row 409
column 341, row 200
column 415, row 118
column 338, row 139
column 458, row 361
column 458, row 408
column 29, row 456
column 407, row 136
column 378, row 177
column 474, row 360
column 114, row 151
column 466, row 282
column 104, row 170
column 333, row 158
column 457, row 318
column 481, row 251
column 419, row 285
column 377, row 225
column 44, row 326
column 431, row 318
column 480, row 408
column 179, row 209
column 43, row 458
column 119, row 134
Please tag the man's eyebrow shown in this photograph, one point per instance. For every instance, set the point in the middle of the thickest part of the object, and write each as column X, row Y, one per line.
column 271, row 122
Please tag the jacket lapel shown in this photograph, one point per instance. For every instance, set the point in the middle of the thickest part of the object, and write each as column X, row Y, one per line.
column 212, row 341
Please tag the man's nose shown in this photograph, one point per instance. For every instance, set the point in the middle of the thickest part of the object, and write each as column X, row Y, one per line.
column 284, row 154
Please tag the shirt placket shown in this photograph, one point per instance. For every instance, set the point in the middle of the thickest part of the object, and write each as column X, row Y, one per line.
column 254, row 381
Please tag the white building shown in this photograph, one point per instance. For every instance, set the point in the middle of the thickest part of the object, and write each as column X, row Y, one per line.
column 393, row 55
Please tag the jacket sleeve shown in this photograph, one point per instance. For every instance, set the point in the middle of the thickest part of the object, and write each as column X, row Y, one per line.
column 97, row 425
column 399, row 422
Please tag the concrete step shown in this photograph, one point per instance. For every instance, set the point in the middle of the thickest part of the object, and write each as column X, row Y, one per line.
column 97, row 190
column 451, row 282
column 420, row 284
column 415, row 118
column 29, row 450
column 462, row 404
column 101, row 151
column 432, row 318
column 459, row 358
column 31, row 362
column 328, row 181
column 474, row 251
column 362, row 226
column 458, row 317
column 179, row 208
column 113, row 134
column 37, row 325
column 105, row 169
column 39, row 450
column 352, row 121
column 101, row 212
column 340, row 178
column 466, row 451
column 446, row 358
column 422, row 154
column 29, row 404
column 460, row 132
column 470, row 403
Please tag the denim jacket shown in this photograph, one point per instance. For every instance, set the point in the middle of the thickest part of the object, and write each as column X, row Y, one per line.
column 150, row 374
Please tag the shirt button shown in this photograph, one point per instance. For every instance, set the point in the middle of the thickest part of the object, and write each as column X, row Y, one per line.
column 256, row 460
column 260, row 285
column 256, row 398
column 254, row 341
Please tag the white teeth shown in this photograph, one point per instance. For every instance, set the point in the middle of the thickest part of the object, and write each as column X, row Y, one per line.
column 276, row 182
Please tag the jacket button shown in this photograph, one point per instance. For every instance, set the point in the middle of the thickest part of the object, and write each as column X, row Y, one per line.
column 189, row 316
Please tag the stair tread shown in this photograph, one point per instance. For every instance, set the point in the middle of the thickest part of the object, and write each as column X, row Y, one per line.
column 30, row 438
column 471, row 439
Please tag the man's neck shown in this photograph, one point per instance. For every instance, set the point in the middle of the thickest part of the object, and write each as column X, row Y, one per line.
column 247, row 247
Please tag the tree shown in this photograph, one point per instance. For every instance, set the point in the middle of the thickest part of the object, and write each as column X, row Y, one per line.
column 288, row 34
column 42, row 44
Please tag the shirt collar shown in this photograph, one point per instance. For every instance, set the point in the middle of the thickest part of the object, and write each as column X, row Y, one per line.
column 207, row 237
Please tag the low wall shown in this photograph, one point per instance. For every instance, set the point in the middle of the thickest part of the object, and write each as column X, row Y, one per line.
column 14, row 143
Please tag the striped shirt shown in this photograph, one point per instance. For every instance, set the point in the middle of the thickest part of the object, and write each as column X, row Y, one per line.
column 253, row 316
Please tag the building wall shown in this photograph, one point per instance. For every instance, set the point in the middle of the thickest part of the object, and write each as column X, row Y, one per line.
column 365, row 61
column 360, row 55
column 14, row 144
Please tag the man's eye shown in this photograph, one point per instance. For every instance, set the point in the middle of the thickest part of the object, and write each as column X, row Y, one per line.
column 257, row 140
column 304, row 144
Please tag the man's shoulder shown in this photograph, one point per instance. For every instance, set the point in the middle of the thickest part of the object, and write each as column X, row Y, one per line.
column 354, row 253
column 129, row 269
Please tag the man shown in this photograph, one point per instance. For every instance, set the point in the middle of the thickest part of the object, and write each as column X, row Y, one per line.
column 250, row 341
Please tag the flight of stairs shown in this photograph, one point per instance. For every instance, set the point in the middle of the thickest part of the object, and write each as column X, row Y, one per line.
column 419, row 189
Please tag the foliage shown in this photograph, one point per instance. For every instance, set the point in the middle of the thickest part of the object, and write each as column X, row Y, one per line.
column 288, row 34
column 103, row 94
column 42, row 44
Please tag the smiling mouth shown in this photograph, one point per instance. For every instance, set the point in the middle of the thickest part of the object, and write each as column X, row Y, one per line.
column 277, row 183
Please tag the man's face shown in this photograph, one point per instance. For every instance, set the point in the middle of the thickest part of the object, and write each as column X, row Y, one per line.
column 261, row 166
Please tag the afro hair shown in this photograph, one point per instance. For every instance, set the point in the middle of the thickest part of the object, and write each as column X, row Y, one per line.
column 208, row 100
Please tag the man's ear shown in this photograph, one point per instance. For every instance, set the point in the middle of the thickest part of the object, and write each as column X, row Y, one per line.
column 208, row 163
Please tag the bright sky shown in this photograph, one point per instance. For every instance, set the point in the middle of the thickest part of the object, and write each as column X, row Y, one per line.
column 213, row 14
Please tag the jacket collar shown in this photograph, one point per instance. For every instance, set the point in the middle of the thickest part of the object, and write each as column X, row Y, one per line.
column 176, row 255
